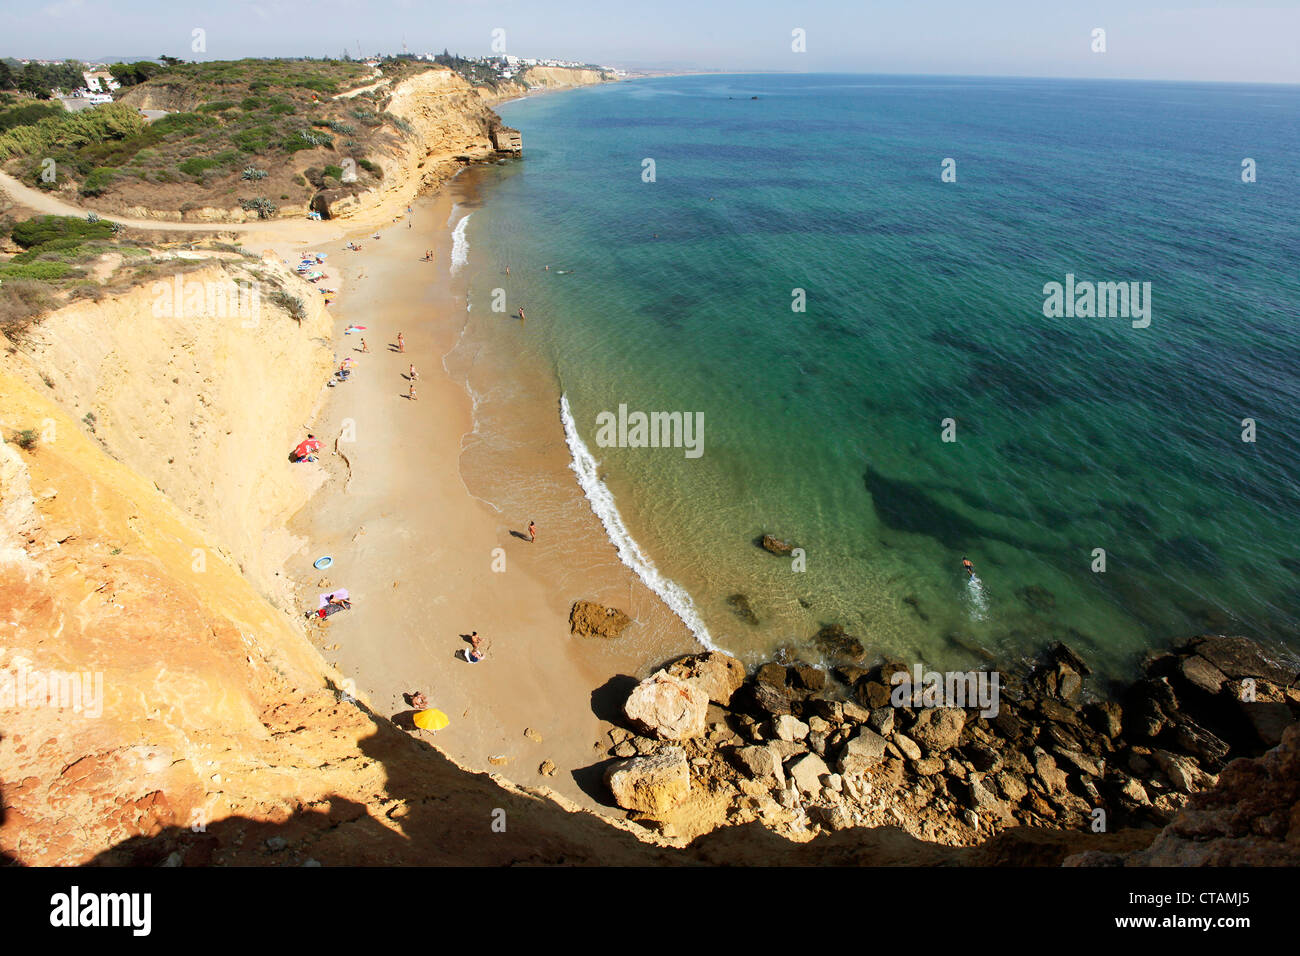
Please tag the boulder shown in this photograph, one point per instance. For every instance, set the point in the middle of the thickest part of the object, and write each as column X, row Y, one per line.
column 740, row 605
column 789, row 727
column 760, row 763
column 718, row 675
column 654, row 784
column 588, row 619
column 1200, row 673
column 806, row 773
column 1239, row 657
column 1045, row 769
column 882, row 721
column 938, row 728
column 832, row 641
column 807, row 677
column 864, row 752
column 775, row 545
column 668, row 707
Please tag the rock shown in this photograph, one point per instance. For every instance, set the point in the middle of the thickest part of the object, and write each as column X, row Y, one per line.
column 788, row 727
column 856, row 713
column 928, row 766
column 807, row 677
column 1270, row 719
column 938, row 728
column 835, row 782
column 1132, row 789
column 760, row 763
column 849, row 673
column 773, row 699
column 882, row 721
column 588, row 619
column 872, row 694
column 547, row 769
column 1037, row 598
column 653, row 784
column 830, row 710
column 818, row 742
column 785, row 749
column 1068, row 683
column 644, row 746
column 1195, row 739
column 1078, row 761
column 1239, row 657
column 625, row 749
column 832, row 641
column 864, row 752
column 1011, row 787
column 276, row 843
column 908, row 746
column 718, row 675
column 836, row 817
column 533, row 735
column 776, row 545
column 1045, row 769
column 983, row 757
column 668, row 707
column 984, row 802
column 739, row 604
column 1063, row 656
column 1200, row 673
column 1106, row 717
column 806, row 773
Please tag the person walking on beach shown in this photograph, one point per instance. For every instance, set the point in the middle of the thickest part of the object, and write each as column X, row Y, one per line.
column 364, row 346
column 401, row 343
column 532, row 533
column 414, row 376
column 410, row 392
column 475, row 653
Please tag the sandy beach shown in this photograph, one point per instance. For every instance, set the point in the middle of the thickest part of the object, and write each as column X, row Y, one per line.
column 427, row 561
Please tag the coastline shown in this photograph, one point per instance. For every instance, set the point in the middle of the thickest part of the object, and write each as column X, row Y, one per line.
column 415, row 537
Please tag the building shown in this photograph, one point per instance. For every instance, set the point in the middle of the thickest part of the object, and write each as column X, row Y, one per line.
column 100, row 81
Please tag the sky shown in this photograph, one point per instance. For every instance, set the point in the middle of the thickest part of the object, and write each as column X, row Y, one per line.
column 1197, row 40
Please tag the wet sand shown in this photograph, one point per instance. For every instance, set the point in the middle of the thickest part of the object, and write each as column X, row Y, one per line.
column 426, row 556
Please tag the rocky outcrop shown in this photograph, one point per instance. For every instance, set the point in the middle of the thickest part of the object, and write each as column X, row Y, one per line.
column 588, row 619
column 1045, row 757
column 775, row 545
column 718, row 675
column 668, row 707
column 654, row 784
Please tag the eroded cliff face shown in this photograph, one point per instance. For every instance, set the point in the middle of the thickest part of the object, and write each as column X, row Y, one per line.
column 201, row 388
column 154, row 707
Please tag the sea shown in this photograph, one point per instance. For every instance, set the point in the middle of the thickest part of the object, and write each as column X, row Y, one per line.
column 844, row 285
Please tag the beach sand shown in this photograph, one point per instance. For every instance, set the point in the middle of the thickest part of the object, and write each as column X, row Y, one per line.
column 417, row 549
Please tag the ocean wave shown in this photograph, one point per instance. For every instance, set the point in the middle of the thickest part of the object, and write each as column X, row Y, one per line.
column 459, row 246
column 586, row 467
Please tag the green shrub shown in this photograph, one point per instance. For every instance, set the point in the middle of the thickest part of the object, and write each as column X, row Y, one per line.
column 42, row 271
column 40, row 230
column 26, row 439
column 374, row 169
column 250, row 103
column 217, row 107
column 100, row 178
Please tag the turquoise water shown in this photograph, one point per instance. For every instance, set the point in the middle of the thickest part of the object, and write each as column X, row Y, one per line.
column 924, row 302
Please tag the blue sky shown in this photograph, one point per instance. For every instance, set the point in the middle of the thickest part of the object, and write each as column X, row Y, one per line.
column 1175, row 40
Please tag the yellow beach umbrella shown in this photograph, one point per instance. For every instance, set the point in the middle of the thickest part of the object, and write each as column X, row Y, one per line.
column 431, row 719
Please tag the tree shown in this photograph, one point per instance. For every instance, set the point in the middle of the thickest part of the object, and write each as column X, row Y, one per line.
column 33, row 82
column 170, row 61
column 7, row 80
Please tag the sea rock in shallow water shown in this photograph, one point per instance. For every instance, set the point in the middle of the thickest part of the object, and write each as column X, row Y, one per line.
column 832, row 641
column 718, row 675
column 588, row 619
column 652, row 784
column 776, row 545
column 740, row 605
column 668, row 707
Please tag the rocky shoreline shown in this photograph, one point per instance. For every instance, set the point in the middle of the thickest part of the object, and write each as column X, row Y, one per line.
column 803, row 750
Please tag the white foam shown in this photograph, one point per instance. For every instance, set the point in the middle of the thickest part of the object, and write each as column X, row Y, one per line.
column 459, row 246
column 586, row 467
column 978, row 599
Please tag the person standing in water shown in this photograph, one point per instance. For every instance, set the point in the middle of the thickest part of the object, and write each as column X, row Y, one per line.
column 521, row 313
column 970, row 568
column 532, row 532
